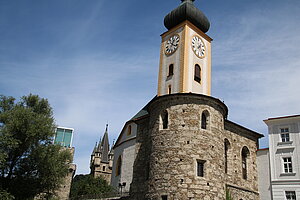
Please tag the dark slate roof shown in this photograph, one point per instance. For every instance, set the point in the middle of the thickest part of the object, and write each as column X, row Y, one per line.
column 236, row 128
column 103, row 146
column 187, row 11
column 140, row 114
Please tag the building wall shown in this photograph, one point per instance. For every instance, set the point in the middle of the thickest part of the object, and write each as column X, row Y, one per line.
column 173, row 153
column 125, row 148
column 64, row 191
column 102, row 169
column 165, row 61
column 263, row 165
column 280, row 188
column 280, row 180
column 184, row 61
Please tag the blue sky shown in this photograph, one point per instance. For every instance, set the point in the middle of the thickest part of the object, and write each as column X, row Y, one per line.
column 97, row 61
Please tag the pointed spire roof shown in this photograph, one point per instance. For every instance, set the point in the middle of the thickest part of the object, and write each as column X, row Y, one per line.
column 103, row 146
column 95, row 148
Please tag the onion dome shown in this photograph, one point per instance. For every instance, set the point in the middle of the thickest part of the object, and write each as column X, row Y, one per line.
column 187, row 11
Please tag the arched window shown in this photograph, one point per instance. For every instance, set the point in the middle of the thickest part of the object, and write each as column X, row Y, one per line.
column 165, row 120
column 245, row 157
column 171, row 70
column 119, row 166
column 204, row 120
column 169, row 89
column 226, row 147
column 197, row 75
column 129, row 130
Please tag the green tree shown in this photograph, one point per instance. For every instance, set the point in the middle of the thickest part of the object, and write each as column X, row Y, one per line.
column 88, row 185
column 29, row 163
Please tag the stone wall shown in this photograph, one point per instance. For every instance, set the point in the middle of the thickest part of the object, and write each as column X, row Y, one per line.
column 173, row 153
column 64, row 190
column 241, row 194
column 139, row 185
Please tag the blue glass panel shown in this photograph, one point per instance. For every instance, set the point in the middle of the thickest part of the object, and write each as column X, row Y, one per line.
column 59, row 138
column 68, row 137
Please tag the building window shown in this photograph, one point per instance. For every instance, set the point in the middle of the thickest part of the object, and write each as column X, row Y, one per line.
column 204, row 120
column 165, row 120
column 63, row 137
column 290, row 195
column 171, row 70
column 164, row 197
column 200, row 168
column 197, row 75
column 169, row 89
column 285, row 135
column 119, row 165
column 226, row 147
column 245, row 155
column 103, row 168
column 287, row 165
column 129, row 130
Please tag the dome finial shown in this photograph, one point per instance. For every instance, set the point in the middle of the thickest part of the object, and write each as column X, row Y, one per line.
column 187, row 0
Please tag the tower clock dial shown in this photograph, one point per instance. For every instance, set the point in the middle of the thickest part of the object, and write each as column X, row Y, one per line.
column 172, row 44
column 198, row 46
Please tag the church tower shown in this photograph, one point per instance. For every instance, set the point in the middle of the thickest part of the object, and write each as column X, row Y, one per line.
column 185, row 147
column 101, row 158
column 185, row 55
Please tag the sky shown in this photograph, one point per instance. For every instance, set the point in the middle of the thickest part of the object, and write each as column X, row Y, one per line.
column 97, row 61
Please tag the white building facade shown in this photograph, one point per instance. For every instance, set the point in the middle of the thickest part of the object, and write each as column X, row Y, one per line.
column 124, row 156
column 284, row 155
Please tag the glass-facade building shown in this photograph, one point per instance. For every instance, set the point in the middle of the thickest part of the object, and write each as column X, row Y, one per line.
column 63, row 136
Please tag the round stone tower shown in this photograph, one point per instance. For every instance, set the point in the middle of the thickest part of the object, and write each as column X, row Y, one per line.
column 187, row 154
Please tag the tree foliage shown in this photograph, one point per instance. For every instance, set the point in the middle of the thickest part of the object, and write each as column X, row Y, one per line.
column 29, row 163
column 88, row 185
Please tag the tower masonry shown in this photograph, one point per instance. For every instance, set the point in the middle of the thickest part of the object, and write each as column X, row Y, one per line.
column 101, row 158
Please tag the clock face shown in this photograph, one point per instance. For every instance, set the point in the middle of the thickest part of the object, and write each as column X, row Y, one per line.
column 198, row 47
column 172, row 44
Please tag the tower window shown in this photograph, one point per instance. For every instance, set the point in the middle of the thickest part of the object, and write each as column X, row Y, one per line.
column 204, row 120
column 169, row 89
column 200, row 168
column 119, row 165
column 197, row 75
column 245, row 155
column 171, row 70
column 287, row 165
column 226, row 146
column 129, row 130
column 103, row 168
column 285, row 135
column 165, row 120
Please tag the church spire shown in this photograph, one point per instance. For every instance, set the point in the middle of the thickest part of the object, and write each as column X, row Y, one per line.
column 104, row 146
